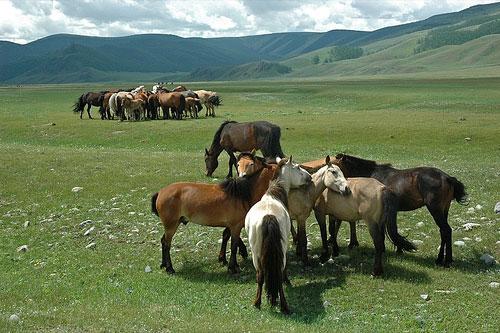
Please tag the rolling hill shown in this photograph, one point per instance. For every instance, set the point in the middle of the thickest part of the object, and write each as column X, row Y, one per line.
column 456, row 42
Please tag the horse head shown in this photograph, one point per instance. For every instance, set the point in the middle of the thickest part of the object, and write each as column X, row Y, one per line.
column 291, row 174
column 334, row 178
column 211, row 162
column 249, row 164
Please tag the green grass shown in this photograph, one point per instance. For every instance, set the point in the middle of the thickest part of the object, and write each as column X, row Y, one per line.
column 59, row 285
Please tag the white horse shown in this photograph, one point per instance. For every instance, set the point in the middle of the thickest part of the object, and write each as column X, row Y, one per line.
column 206, row 97
column 115, row 101
column 268, row 226
column 139, row 89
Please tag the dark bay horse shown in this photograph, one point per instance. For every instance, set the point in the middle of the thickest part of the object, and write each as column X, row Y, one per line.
column 88, row 99
column 239, row 137
column 414, row 188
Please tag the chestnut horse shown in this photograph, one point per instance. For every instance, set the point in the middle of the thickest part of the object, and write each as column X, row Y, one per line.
column 232, row 136
column 220, row 205
column 173, row 100
column 414, row 188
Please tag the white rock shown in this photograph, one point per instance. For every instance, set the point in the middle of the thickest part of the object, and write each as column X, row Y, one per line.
column 22, row 248
column 466, row 239
column 315, row 256
column 419, row 224
column 470, row 210
column 488, row 259
column 459, row 243
column 330, row 261
column 326, row 303
column 425, row 297
column 14, row 317
column 131, row 213
column 494, row 284
column 497, row 243
column 478, row 239
column 89, row 230
column 148, row 269
column 26, row 224
column 417, row 242
column 467, row 139
column 479, row 207
column 497, row 208
column 84, row 223
column 470, row 225
column 199, row 243
column 90, row 246
column 76, row 189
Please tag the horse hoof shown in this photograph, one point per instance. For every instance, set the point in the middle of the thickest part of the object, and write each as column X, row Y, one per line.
column 352, row 245
column 324, row 257
column 377, row 272
column 234, row 270
column 286, row 311
column 169, row 270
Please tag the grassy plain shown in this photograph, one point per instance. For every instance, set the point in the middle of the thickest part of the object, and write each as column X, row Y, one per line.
column 59, row 285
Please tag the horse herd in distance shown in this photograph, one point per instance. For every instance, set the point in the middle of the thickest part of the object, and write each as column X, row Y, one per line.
column 271, row 190
column 139, row 104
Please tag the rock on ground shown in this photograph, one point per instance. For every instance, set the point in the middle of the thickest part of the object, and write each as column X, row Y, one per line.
column 497, row 208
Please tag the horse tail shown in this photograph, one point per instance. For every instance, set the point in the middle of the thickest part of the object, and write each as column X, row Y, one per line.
column 459, row 191
column 389, row 218
column 79, row 104
column 271, row 257
column 274, row 142
column 154, row 210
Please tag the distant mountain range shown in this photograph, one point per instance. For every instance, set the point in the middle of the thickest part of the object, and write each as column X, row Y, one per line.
column 467, row 40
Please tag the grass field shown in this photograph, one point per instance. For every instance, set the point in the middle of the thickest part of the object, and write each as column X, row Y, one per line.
column 60, row 285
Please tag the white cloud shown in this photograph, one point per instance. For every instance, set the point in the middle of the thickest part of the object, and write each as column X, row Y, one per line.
column 26, row 20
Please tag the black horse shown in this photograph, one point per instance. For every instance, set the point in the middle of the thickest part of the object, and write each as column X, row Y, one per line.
column 90, row 99
column 239, row 137
column 413, row 188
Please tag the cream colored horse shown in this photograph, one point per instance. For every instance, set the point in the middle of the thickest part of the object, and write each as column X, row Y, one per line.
column 204, row 96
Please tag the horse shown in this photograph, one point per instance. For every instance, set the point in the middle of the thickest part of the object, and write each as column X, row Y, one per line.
column 139, row 89
column 191, row 107
column 153, row 105
column 267, row 224
column 173, row 100
column 218, row 205
column 369, row 200
column 190, row 93
column 232, row 136
column 179, row 88
column 414, row 188
column 130, row 106
column 115, row 103
column 301, row 201
column 90, row 99
column 209, row 99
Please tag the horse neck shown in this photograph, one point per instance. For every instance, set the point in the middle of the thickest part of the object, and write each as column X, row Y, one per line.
column 261, row 182
column 318, row 182
column 215, row 148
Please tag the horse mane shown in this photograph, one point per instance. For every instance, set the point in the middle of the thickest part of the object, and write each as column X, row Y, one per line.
column 359, row 166
column 216, row 140
column 238, row 188
column 277, row 191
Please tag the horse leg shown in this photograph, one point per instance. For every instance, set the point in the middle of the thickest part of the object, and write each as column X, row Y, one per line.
column 377, row 233
column 294, row 234
column 166, row 241
column 243, row 249
column 283, row 304
column 353, row 241
column 334, row 227
column 445, row 256
column 302, row 242
column 325, row 253
column 235, row 239
column 206, row 109
column 232, row 161
column 226, row 234
column 88, row 110
column 260, row 281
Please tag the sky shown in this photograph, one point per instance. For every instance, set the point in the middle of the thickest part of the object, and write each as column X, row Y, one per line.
column 22, row 21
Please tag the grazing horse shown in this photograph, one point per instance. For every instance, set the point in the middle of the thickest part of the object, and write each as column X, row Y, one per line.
column 238, row 137
column 173, row 100
column 209, row 99
column 216, row 205
column 414, row 188
column 90, row 99
column 370, row 200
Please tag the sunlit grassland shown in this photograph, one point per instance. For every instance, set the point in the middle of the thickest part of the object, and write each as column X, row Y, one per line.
column 59, row 285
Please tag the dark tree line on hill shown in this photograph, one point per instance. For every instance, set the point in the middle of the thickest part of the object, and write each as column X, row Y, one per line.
column 453, row 36
column 338, row 53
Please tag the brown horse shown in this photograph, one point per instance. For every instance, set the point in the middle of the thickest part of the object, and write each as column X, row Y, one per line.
column 104, row 110
column 90, row 99
column 221, row 205
column 414, row 188
column 152, row 106
column 173, row 100
column 238, row 137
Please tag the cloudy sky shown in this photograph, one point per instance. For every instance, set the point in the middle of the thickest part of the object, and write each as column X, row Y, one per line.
column 22, row 21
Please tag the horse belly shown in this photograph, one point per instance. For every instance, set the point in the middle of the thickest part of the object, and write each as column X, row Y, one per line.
column 343, row 208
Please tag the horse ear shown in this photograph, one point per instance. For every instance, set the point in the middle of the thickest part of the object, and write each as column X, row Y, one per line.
column 206, row 151
column 290, row 160
column 327, row 160
column 253, row 152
